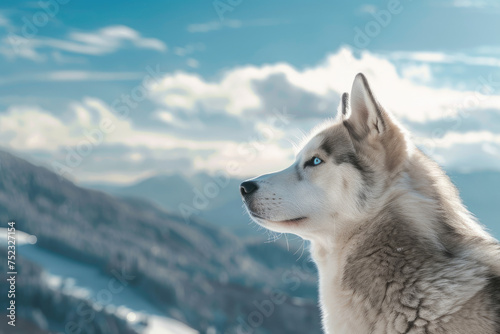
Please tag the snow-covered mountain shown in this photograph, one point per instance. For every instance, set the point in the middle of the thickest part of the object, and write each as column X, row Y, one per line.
column 193, row 272
column 479, row 190
column 213, row 198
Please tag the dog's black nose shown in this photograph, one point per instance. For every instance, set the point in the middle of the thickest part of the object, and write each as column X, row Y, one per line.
column 248, row 187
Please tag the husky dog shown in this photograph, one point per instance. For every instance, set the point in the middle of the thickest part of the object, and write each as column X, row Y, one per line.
column 396, row 250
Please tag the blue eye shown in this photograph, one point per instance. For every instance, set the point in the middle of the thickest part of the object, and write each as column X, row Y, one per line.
column 314, row 161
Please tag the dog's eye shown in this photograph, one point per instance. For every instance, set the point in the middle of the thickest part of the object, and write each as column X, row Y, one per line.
column 314, row 161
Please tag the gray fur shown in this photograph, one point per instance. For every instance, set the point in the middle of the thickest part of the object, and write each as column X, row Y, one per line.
column 397, row 252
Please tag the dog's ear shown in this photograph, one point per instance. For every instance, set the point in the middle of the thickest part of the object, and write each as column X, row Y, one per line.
column 372, row 127
column 367, row 116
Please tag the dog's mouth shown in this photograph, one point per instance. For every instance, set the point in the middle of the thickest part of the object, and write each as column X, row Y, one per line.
column 293, row 220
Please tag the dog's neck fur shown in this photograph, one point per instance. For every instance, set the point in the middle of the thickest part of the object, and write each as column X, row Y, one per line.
column 425, row 212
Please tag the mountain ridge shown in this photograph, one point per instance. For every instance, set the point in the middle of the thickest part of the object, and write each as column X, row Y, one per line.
column 478, row 190
column 196, row 273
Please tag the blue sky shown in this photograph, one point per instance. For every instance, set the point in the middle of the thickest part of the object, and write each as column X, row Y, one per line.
column 236, row 81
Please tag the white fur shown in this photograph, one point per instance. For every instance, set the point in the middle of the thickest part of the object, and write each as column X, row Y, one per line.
column 431, row 265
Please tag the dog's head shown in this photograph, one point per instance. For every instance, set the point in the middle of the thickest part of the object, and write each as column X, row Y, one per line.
column 340, row 173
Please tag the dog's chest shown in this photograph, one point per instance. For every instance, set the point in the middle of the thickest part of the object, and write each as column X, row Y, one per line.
column 338, row 306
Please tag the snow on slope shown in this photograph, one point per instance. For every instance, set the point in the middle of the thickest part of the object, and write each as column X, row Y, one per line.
column 84, row 281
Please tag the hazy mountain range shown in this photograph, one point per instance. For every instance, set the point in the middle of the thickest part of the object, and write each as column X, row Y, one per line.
column 215, row 199
column 191, row 266
column 194, row 272
column 480, row 191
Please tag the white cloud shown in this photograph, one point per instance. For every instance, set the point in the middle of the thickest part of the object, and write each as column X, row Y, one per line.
column 92, row 76
column 32, row 128
column 420, row 73
column 170, row 118
column 487, row 49
column 234, row 92
column 111, row 38
column 126, row 134
column 213, row 25
column 188, row 49
column 476, row 3
column 232, row 24
column 103, row 41
column 13, row 46
column 368, row 9
column 248, row 95
column 114, row 177
column 193, row 63
column 60, row 58
column 29, row 127
column 5, row 22
column 444, row 58
column 72, row 76
column 469, row 157
column 234, row 160
column 456, row 138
